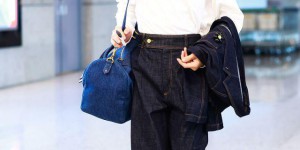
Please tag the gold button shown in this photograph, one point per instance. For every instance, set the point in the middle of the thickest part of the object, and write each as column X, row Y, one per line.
column 149, row 40
column 220, row 37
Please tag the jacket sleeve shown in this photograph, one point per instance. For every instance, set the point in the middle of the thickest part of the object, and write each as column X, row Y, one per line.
column 201, row 47
column 131, row 18
column 230, row 9
column 210, row 49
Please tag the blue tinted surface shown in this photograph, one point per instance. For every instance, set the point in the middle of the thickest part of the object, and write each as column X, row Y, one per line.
column 252, row 4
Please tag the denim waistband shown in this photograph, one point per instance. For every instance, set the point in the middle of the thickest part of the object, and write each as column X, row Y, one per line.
column 168, row 41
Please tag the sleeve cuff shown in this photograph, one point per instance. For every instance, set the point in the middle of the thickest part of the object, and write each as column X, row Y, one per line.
column 200, row 54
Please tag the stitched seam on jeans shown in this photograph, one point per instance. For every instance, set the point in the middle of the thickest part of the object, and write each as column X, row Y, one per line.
column 170, row 74
column 164, row 47
column 171, row 36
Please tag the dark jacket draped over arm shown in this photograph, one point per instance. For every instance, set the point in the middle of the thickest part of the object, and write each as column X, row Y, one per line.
column 225, row 84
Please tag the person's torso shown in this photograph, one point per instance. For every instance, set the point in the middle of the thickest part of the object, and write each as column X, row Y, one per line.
column 175, row 16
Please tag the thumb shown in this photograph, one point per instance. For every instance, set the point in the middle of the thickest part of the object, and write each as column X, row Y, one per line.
column 127, row 31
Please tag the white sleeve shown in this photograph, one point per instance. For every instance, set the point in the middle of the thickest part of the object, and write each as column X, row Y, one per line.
column 231, row 9
column 130, row 19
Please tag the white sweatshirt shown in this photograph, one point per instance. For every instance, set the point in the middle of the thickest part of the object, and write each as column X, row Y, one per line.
column 177, row 16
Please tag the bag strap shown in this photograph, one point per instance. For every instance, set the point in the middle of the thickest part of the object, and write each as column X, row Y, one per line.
column 125, row 15
column 106, row 52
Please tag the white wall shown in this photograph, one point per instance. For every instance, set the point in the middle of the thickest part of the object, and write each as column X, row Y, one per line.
column 34, row 60
column 98, row 22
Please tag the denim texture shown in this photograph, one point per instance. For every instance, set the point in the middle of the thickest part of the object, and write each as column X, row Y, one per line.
column 225, row 73
column 107, row 85
column 163, row 93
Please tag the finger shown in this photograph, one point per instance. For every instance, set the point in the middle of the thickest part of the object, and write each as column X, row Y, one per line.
column 115, row 44
column 116, row 39
column 189, row 58
column 184, row 65
column 185, row 51
column 198, row 62
column 194, row 69
column 182, row 55
column 192, row 64
column 187, row 65
column 122, row 33
column 180, row 62
column 127, row 31
column 117, row 28
column 128, row 34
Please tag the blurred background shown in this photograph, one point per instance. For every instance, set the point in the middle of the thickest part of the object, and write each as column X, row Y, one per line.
column 45, row 44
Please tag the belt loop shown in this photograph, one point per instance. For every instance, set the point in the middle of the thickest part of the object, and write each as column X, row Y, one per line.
column 186, row 41
column 143, row 40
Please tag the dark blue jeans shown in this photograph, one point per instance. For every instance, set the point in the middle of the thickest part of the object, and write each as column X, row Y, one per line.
column 158, row 108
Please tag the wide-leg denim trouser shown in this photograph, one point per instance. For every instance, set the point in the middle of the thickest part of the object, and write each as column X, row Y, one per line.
column 158, row 107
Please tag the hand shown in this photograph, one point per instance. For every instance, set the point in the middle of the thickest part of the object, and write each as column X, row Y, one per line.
column 189, row 61
column 115, row 39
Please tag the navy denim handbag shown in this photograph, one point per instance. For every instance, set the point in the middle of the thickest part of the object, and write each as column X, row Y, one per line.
column 107, row 83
